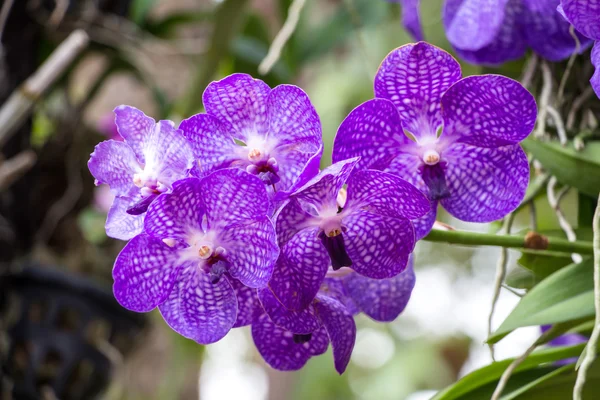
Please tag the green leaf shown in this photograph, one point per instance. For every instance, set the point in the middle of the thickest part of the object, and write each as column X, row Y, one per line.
column 566, row 295
column 489, row 375
column 579, row 169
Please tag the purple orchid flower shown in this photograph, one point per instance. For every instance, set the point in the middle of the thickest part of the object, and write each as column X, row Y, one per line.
column 197, row 240
column 372, row 233
column 288, row 339
column 491, row 32
column 584, row 15
column 463, row 151
column 411, row 19
column 147, row 163
column 272, row 133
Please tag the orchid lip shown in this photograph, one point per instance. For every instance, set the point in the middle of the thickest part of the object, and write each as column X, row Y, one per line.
column 301, row 339
column 336, row 249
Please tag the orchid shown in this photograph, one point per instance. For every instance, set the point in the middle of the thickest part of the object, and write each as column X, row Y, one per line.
column 455, row 139
column 196, row 240
column 272, row 133
column 147, row 163
column 491, row 32
column 411, row 18
column 371, row 232
column 585, row 17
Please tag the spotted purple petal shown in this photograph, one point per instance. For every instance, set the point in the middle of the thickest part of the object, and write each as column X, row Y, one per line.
column 584, row 15
column 167, row 152
column 474, row 23
column 231, row 195
column 135, row 127
column 507, row 43
column 385, row 194
column 249, row 308
column 424, row 224
column 547, row 32
column 321, row 191
column 114, row 163
column 414, row 77
column 340, row 327
column 278, row 348
column 251, row 250
column 293, row 121
column 144, row 273
column 199, row 309
column 289, row 221
column 381, row 299
column 333, row 286
column 213, row 145
column 297, row 168
column 121, row 225
column 595, row 81
column 485, row 184
column 298, row 322
column 240, row 102
column 174, row 215
column 488, row 111
column 300, row 270
column 373, row 132
column 378, row 246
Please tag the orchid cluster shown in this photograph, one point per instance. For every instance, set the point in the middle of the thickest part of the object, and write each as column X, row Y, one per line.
column 230, row 222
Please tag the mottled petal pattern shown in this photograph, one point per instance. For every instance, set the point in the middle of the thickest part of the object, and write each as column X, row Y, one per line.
column 144, row 273
column 213, row 146
column 135, row 127
column 424, row 224
column 240, row 102
column 414, row 77
column 584, row 15
column 300, row 270
column 378, row 246
column 249, row 308
column 547, row 32
column 507, row 44
column 340, row 327
column 488, row 111
column 293, row 120
column 251, row 250
column 167, row 153
column 411, row 18
column 289, row 221
column 299, row 322
column 474, row 23
column 373, row 132
column 385, row 194
column 278, row 348
column 173, row 215
column 485, row 184
column 121, row 225
column 382, row 299
column 321, row 191
column 198, row 309
column 114, row 163
column 595, row 81
column 231, row 195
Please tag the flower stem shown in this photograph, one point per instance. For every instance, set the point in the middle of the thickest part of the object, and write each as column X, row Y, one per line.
column 589, row 353
column 531, row 241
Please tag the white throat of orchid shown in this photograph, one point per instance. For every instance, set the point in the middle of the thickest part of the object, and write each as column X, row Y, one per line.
column 260, row 159
column 330, row 221
column 149, row 184
column 431, row 157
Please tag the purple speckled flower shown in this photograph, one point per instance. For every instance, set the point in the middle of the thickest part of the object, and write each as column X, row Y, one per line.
column 491, row 32
column 585, row 17
column 288, row 339
column 272, row 133
column 411, row 18
column 372, row 233
column 195, row 241
column 147, row 163
column 463, row 151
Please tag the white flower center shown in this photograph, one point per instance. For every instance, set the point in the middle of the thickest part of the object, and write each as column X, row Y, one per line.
column 431, row 157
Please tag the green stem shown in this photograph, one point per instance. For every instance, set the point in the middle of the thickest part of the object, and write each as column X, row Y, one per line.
column 510, row 241
column 589, row 353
